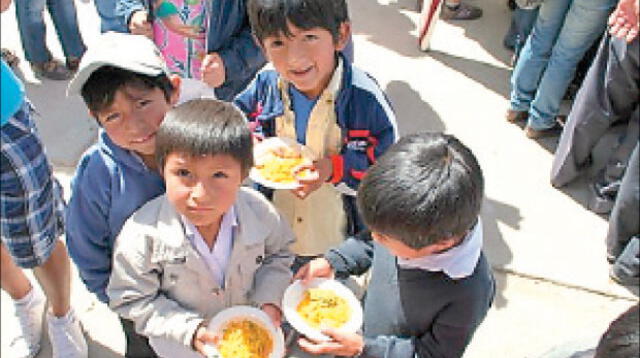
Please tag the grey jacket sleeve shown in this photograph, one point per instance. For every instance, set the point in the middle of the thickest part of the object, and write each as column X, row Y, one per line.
column 441, row 341
column 353, row 256
column 134, row 291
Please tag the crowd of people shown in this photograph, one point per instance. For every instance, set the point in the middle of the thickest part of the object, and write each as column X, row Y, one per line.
column 164, row 229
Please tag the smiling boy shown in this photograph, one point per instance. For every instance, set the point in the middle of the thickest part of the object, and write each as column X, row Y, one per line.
column 125, row 85
column 316, row 97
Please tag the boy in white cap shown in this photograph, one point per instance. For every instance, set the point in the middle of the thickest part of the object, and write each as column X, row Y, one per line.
column 127, row 89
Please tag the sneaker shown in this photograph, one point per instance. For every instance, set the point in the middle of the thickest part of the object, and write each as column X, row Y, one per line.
column 52, row 69
column 463, row 11
column 65, row 334
column 29, row 313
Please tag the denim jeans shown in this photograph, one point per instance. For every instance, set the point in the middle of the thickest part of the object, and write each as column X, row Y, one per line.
column 522, row 21
column 30, row 16
column 563, row 32
column 109, row 20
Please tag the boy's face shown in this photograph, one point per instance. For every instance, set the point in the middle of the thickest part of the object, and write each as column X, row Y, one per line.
column 202, row 188
column 133, row 118
column 400, row 249
column 307, row 58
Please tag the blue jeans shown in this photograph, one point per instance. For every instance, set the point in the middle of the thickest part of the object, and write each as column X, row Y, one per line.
column 522, row 21
column 563, row 32
column 33, row 32
column 109, row 20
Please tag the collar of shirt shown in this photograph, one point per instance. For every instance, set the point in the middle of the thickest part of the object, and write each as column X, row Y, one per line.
column 216, row 258
column 457, row 262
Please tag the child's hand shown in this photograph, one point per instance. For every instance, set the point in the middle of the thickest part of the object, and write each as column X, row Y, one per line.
column 624, row 20
column 212, row 68
column 319, row 267
column 323, row 168
column 203, row 338
column 175, row 24
column 341, row 344
column 139, row 24
column 273, row 312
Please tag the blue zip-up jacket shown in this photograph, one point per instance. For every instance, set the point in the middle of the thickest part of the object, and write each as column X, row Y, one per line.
column 229, row 35
column 362, row 110
column 109, row 185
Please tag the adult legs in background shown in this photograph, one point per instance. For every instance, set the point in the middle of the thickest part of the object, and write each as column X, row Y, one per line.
column 584, row 23
column 109, row 20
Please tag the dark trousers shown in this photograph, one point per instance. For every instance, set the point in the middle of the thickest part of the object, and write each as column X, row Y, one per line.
column 625, row 216
column 609, row 94
column 137, row 345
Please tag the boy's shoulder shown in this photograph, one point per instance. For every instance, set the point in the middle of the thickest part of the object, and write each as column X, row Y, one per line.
column 253, row 200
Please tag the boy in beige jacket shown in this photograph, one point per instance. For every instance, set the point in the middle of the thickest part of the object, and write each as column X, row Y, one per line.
column 205, row 245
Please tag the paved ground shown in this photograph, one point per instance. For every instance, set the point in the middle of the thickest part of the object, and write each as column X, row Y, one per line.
column 546, row 248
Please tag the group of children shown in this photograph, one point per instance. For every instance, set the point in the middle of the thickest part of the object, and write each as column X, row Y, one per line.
column 162, row 229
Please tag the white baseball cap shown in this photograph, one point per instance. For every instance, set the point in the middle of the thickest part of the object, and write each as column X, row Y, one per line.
column 135, row 53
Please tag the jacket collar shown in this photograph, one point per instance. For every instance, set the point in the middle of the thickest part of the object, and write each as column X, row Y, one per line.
column 122, row 156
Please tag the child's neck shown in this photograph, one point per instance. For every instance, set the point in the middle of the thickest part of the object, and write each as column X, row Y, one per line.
column 209, row 233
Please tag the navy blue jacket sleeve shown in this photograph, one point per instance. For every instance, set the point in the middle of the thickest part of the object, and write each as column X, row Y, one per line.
column 87, row 232
column 242, row 57
column 353, row 257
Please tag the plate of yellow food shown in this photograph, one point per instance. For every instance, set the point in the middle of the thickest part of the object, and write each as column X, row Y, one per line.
column 278, row 161
column 323, row 303
column 245, row 332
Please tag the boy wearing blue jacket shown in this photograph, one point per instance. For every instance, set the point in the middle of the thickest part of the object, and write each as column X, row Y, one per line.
column 317, row 98
column 233, row 57
column 125, row 85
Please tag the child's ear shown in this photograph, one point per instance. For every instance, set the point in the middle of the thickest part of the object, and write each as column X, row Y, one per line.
column 344, row 34
column 260, row 45
column 176, row 81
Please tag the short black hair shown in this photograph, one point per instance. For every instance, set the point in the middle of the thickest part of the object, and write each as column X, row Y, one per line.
column 270, row 17
column 205, row 127
column 426, row 188
column 621, row 339
column 100, row 88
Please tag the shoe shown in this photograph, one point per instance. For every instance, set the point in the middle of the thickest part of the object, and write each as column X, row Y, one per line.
column 73, row 63
column 516, row 116
column 65, row 334
column 462, row 12
column 52, row 69
column 10, row 57
column 548, row 132
column 30, row 315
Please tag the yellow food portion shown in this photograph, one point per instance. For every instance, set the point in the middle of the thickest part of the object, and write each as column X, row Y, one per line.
column 324, row 308
column 278, row 165
column 245, row 339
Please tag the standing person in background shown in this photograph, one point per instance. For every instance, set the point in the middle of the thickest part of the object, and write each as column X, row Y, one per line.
column 32, row 28
column 232, row 58
column 563, row 32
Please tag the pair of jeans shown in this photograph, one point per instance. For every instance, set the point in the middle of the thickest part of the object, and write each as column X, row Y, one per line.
column 522, row 21
column 109, row 19
column 30, row 16
column 563, row 32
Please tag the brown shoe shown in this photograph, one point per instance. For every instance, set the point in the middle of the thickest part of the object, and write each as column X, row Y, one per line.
column 516, row 116
column 463, row 11
column 549, row 132
column 73, row 63
column 52, row 69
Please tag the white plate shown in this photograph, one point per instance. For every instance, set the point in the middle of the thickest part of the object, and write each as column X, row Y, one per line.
column 219, row 321
column 260, row 149
column 294, row 294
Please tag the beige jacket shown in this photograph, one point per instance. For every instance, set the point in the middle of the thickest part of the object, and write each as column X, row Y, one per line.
column 160, row 282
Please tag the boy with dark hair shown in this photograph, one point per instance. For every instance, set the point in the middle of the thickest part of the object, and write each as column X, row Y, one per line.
column 622, row 338
column 431, row 285
column 208, row 243
column 316, row 97
column 125, row 84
